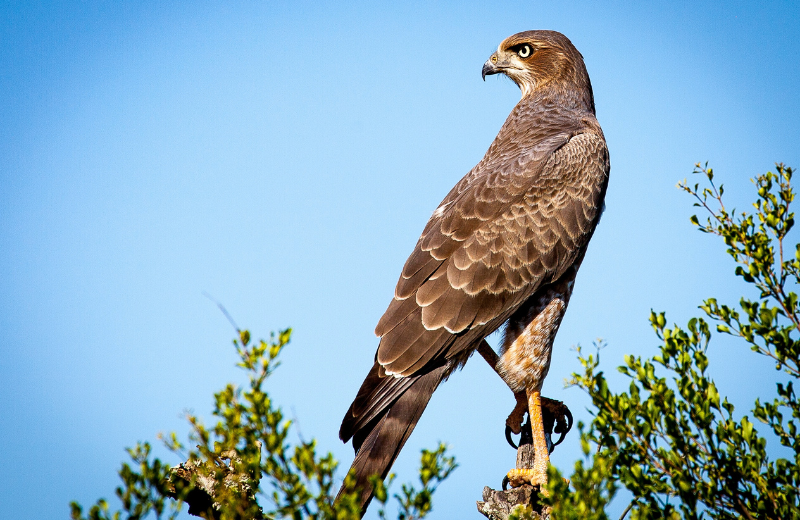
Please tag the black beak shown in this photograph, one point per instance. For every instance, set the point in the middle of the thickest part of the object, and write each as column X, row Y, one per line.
column 489, row 68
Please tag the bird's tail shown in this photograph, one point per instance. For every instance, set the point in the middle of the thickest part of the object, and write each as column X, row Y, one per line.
column 384, row 437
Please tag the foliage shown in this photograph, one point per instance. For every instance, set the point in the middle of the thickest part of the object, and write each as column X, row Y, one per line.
column 142, row 492
column 671, row 440
column 247, row 455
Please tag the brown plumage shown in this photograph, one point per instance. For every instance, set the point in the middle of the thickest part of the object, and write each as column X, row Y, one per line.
column 502, row 247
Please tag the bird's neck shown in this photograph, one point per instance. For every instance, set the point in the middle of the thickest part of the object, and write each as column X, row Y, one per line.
column 570, row 97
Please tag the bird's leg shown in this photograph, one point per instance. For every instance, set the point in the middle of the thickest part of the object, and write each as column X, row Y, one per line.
column 487, row 352
column 515, row 418
column 527, row 346
column 555, row 412
column 537, row 475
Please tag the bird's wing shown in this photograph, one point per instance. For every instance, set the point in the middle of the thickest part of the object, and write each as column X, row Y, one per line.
column 495, row 242
column 496, row 238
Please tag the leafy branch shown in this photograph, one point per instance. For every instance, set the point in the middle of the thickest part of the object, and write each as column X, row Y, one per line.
column 671, row 439
column 244, row 467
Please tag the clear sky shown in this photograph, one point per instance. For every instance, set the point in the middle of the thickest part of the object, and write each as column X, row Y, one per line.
column 284, row 157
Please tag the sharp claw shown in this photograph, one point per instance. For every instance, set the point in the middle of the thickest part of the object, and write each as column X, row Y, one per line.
column 505, row 483
column 562, row 428
column 508, row 437
column 559, row 441
column 558, row 420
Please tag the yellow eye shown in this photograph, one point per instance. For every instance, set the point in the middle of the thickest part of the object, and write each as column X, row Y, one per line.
column 524, row 51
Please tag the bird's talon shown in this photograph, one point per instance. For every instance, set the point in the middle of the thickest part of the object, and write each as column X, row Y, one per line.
column 514, row 426
column 514, row 420
column 558, row 413
column 510, row 441
column 518, row 477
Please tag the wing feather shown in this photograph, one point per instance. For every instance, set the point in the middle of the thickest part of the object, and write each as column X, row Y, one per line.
column 501, row 238
column 397, row 312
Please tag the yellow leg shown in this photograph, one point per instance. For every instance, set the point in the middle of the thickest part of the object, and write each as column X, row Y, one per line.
column 537, row 475
column 539, row 443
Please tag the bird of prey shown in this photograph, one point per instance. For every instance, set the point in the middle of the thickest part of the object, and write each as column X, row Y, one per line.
column 502, row 249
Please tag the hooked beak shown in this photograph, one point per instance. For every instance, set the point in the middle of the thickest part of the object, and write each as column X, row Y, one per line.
column 490, row 68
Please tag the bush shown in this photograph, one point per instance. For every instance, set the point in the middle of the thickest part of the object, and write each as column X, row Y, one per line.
column 671, row 440
column 245, row 467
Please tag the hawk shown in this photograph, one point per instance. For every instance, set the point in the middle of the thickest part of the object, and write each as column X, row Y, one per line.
column 502, row 249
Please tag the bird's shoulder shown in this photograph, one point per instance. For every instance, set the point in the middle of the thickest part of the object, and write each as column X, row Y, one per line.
column 519, row 171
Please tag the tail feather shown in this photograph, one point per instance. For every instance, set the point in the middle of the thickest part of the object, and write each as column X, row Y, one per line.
column 379, row 442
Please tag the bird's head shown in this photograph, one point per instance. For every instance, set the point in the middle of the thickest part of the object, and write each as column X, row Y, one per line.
column 536, row 60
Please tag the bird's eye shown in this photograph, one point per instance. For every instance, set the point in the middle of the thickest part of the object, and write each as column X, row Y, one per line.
column 524, row 51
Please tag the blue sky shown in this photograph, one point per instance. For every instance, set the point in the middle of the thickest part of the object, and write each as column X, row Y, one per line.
column 284, row 157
